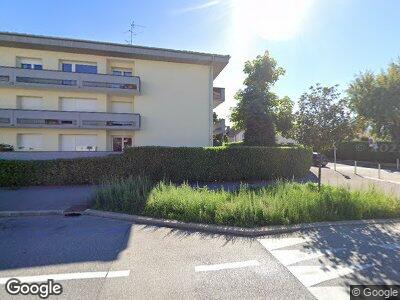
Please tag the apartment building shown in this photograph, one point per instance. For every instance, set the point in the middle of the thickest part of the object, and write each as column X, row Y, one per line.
column 59, row 94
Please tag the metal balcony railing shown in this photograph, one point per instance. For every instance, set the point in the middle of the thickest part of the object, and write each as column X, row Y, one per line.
column 68, row 119
column 50, row 79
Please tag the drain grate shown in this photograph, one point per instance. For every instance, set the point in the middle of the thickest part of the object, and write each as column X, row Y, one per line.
column 72, row 214
column 75, row 210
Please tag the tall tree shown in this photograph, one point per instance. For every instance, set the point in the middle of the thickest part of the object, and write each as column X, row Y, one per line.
column 254, row 112
column 322, row 118
column 283, row 115
column 376, row 99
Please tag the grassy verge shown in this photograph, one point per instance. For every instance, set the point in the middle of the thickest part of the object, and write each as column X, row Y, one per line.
column 282, row 203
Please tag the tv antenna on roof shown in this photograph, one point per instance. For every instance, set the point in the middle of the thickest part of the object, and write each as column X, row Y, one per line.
column 132, row 32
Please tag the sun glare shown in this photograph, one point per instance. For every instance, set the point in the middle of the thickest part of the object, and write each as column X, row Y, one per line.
column 271, row 19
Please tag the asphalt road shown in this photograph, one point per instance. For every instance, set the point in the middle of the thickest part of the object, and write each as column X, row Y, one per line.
column 133, row 261
column 162, row 263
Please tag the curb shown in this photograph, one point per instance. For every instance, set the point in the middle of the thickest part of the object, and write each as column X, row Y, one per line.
column 33, row 213
column 230, row 230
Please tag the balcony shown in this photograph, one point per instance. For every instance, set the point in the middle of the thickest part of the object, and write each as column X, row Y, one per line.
column 218, row 96
column 54, row 79
column 20, row 118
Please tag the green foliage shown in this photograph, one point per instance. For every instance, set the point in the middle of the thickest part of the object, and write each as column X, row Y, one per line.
column 176, row 164
column 376, row 99
column 258, row 108
column 284, row 117
column 282, row 203
column 123, row 195
column 322, row 118
column 360, row 150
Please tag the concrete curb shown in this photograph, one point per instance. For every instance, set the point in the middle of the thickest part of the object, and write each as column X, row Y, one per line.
column 33, row 213
column 230, row 230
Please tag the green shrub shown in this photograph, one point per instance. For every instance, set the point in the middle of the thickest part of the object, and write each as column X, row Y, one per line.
column 122, row 195
column 175, row 164
column 360, row 150
column 282, row 203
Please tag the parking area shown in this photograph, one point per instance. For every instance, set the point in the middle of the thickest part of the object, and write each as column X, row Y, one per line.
column 365, row 178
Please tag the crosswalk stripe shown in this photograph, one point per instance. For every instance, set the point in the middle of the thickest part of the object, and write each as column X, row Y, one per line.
column 277, row 243
column 312, row 275
column 330, row 292
column 290, row 257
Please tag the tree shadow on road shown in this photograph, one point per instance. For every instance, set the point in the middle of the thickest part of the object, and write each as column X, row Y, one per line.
column 374, row 251
column 42, row 241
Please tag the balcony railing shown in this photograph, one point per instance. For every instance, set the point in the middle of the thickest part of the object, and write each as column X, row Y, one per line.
column 50, row 79
column 218, row 96
column 68, row 119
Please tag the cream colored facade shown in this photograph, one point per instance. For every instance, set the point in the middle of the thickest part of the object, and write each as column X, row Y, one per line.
column 175, row 102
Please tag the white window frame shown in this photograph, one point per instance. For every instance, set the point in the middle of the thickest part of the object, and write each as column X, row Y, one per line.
column 122, row 70
column 74, row 63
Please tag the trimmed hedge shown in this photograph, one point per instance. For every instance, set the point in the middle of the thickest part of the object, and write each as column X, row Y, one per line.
column 169, row 163
column 360, row 150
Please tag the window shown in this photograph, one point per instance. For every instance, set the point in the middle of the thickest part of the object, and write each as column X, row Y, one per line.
column 69, row 142
column 30, row 63
column 85, row 69
column 67, row 67
column 121, row 107
column 32, row 103
column 29, row 142
column 121, row 72
column 79, row 67
column 77, row 104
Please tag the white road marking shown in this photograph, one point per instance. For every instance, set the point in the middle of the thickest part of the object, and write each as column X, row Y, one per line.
column 233, row 265
column 69, row 276
column 277, row 243
column 290, row 257
column 330, row 292
column 312, row 275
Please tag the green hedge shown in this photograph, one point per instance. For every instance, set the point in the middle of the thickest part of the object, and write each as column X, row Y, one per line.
column 360, row 150
column 170, row 163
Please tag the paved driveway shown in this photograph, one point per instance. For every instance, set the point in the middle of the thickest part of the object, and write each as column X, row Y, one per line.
column 44, row 198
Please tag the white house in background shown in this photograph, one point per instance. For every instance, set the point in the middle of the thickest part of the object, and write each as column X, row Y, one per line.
column 60, row 94
column 238, row 136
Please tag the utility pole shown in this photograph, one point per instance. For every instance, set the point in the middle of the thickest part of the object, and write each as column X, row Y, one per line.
column 132, row 32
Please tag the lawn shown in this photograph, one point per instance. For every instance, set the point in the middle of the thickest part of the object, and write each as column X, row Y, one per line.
column 282, row 203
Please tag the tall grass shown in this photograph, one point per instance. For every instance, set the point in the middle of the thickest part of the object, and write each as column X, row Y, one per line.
column 282, row 203
column 123, row 195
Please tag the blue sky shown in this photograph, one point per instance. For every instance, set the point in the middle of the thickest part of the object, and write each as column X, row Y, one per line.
column 314, row 40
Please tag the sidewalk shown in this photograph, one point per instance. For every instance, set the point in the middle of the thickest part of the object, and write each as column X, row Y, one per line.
column 365, row 178
column 45, row 198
